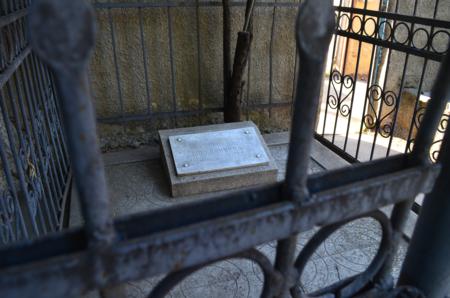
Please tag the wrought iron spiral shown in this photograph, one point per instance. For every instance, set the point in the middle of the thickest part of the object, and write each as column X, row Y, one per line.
column 351, row 286
column 375, row 118
column 272, row 278
column 427, row 39
column 343, row 87
column 443, row 125
column 7, row 212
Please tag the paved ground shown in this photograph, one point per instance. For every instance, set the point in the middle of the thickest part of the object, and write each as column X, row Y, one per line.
column 137, row 183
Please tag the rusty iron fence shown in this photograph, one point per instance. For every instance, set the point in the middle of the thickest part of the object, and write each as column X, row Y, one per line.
column 35, row 169
column 384, row 58
column 180, row 240
column 382, row 61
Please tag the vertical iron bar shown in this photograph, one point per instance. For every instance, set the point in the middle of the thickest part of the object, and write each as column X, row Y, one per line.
column 116, row 63
column 427, row 262
column 272, row 32
column 401, row 211
column 433, row 114
column 226, row 35
column 44, row 204
column 342, row 83
column 12, row 189
column 51, row 25
column 33, row 131
column 419, row 91
column 144, row 60
column 19, row 168
column 380, row 108
column 416, row 105
column 31, row 97
column 402, row 84
column 294, row 91
column 249, row 67
column 41, row 175
column 47, row 101
column 427, row 265
column 313, row 37
column 199, row 61
column 2, row 54
column 356, row 76
column 172, row 64
column 313, row 59
column 425, row 136
column 49, row 20
column 336, row 38
column 61, row 136
column 366, row 98
column 38, row 95
column 55, row 158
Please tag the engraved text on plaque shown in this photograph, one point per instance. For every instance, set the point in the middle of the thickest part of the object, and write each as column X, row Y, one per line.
column 217, row 150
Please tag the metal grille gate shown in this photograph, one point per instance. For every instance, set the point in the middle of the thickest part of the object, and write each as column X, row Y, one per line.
column 180, row 240
column 382, row 49
column 35, row 168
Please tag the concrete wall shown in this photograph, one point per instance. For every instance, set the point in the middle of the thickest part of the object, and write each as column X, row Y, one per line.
column 197, row 67
column 413, row 66
column 194, row 79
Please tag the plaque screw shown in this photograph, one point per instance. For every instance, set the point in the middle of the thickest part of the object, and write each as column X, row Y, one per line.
column 258, row 155
column 179, row 139
column 186, row 165
column 246, row 132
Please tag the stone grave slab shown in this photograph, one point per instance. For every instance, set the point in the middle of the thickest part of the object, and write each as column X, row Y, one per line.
column 216, row 157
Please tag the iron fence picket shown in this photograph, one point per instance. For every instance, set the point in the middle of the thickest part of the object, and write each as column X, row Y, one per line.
column 34, row 167
column 198, row 233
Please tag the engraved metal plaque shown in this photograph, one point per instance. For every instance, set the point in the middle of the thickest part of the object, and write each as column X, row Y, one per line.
column 217, row 150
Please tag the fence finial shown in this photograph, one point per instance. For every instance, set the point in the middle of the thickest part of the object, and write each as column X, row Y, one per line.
column 314, row 30
column 62, row 33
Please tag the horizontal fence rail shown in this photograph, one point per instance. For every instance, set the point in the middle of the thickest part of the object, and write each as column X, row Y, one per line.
column 418, row 37
column 207, row 231
column 180, row 240
column 35, row 173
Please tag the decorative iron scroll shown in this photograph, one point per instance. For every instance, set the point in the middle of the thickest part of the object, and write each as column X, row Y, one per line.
column 34, row 167
column 436, row 146
column 272, row 276
column 7, row 217
column 419, row 36
column 180, row 240
column 354, row 284
column 443, row 125
column 343, row 87
column 379, row 118
column 33, row 181
column 271, row 282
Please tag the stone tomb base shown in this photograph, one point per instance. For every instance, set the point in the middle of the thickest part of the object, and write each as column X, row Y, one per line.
column 216, row 157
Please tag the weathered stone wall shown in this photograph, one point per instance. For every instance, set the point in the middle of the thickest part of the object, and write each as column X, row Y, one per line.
column 197, row 67
column 186, row 75
column 415, row 64
column 410, row 67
